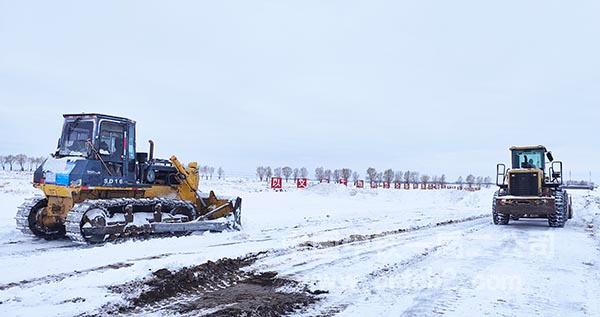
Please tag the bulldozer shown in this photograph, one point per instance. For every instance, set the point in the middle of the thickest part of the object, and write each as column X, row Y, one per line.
column 97, row 188
column 532, row 188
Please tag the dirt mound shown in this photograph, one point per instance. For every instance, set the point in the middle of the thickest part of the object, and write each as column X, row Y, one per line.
column 218, row 288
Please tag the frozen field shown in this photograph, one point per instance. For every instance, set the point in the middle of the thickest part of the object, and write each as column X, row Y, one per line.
column 348, row 252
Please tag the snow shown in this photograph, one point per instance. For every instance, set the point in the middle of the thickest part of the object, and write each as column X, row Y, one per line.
column 467, row 267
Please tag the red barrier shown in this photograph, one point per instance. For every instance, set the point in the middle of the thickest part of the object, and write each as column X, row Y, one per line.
column 302, row 183
column 344, row 181
column 276, row 183
column 360, row 184
column 386, row 185
column 374, row 185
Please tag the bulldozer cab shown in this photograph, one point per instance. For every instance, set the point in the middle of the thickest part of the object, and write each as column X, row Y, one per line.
column 96, row 137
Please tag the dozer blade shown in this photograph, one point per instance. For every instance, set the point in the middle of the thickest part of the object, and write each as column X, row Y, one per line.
column 216, row 207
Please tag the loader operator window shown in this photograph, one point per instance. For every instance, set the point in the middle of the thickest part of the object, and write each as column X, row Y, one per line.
column 528, row 159
column 75, row 136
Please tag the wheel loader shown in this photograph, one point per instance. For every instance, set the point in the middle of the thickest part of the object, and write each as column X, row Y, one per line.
column 96, row 188
column 532, row 188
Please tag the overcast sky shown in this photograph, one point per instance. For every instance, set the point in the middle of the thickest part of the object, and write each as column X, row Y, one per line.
column 433, row 86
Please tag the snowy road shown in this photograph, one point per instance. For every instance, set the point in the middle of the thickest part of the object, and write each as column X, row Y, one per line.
column 376, row 253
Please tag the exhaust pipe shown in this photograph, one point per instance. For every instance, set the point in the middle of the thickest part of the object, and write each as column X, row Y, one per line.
column 151, row 152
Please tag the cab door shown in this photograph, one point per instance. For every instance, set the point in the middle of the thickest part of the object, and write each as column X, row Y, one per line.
column 112, row 147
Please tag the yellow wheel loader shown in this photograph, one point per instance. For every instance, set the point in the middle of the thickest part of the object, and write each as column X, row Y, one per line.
column 98, row 188
column 532, row 188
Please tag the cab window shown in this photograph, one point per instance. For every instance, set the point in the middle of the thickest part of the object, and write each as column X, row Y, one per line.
column 75, row 136
column 112, row 140
column 528, row 159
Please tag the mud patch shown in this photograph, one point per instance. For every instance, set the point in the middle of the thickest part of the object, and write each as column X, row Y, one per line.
column 220, row 288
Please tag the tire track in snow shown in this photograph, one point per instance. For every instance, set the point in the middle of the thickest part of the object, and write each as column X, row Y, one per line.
column 370, row 279
column 55, row 278
column 351, row 242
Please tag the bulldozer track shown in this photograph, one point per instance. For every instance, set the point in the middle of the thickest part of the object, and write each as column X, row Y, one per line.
column 22, row 217
column 77, row 213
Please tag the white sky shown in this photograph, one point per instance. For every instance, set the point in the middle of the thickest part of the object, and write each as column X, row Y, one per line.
column 433, row 86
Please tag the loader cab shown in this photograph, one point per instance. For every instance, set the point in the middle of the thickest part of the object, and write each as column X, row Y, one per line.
column 107, row 142
column 533, row 157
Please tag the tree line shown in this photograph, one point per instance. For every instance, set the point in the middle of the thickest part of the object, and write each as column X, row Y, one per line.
column 20, row 162
column 286, row 172
column 372, row 175
column 207, row 172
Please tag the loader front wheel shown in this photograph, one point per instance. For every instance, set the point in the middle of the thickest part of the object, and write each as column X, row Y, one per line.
column 559, row 216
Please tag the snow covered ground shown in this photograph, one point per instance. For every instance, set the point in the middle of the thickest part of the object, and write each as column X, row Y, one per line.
column 381, row 252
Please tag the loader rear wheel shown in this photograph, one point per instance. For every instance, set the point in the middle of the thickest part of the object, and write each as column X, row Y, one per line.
column 29, row 220
column 570, row 208
column 558, row 218
column 498, row 218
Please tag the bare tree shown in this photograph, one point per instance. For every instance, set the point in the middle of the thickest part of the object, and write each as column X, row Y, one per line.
column 327, row 175
column 277, row 172
column 355, row 177
column 211, row 171
column 346, row 173
column 268, row 173
column 470, row 180
column 372, row 174
column 379, row 177
column 488, row 181
column 435, row 179
column 398, row 177
column 2, row 163
column 260, row 172
column 460, row 180
column 414, row 177
column 21, row 160
column 479, row 181
column 320, row 173
column 407, row 176
column 443, row 179
column 10, row 160
column 425, row 179
column 287, row 172
column 220, row 172
column 337, row 174
column 296, row 174
column 303, row 172
column 388, row 175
